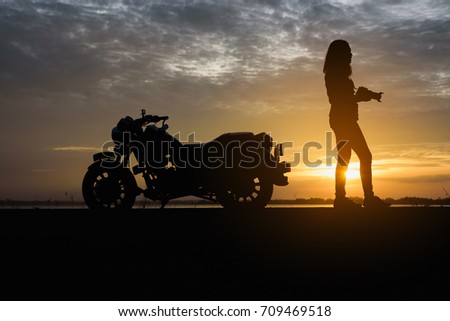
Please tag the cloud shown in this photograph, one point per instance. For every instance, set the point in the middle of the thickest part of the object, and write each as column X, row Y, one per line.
column 123, row 46
column 75, row 149
column 47, row 170
column 420, row 179
column 439, row 153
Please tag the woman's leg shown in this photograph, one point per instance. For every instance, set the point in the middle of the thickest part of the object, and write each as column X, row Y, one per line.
column 344, row 155
column 359, row 145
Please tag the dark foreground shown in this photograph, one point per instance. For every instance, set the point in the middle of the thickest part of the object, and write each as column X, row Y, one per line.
column 211, row 254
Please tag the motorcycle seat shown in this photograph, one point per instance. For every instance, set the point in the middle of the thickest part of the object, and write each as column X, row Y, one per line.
column 224, row 139
column 236, row 136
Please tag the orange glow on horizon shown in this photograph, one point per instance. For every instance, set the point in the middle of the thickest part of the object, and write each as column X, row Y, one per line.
column 352, row 172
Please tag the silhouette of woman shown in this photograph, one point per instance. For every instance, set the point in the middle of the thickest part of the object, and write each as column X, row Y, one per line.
column 344, row 122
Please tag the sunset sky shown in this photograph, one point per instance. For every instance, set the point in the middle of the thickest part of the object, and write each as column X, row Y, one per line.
column 69, row 70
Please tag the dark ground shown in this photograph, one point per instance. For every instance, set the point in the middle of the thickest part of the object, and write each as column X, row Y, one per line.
column 211, row 254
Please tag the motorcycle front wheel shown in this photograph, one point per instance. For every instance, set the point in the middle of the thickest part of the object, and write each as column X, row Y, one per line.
column 249, row 194
column 109, row 188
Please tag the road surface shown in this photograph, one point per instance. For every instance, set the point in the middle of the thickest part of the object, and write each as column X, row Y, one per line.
column 212, row 254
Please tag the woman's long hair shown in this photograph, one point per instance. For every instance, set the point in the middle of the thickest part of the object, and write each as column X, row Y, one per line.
column 336, row 58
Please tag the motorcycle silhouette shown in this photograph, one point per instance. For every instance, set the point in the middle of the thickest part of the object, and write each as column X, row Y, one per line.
column 238, row 170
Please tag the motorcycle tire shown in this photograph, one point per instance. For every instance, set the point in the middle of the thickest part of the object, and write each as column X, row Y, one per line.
column 109, row 188
column 254, row 194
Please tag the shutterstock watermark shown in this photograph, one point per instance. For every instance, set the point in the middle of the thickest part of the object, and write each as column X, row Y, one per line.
column 303, row 157
column 237, row 150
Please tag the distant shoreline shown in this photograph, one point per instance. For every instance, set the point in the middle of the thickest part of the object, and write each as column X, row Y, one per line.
column 404, row 201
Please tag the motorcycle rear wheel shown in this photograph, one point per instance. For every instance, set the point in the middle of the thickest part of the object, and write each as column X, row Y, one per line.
column 254, row 194
column 109, row 188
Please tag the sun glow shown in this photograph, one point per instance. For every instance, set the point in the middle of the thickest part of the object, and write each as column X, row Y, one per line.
column 329, row 171
column 353, row 171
